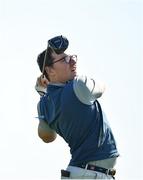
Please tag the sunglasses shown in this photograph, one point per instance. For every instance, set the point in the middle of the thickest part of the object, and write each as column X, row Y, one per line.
column 67, row 59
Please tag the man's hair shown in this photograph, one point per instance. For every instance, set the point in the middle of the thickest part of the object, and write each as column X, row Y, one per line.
column 48, row 61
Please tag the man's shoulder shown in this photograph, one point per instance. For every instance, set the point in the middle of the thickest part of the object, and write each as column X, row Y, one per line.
column 80, row 78
column 80, row 81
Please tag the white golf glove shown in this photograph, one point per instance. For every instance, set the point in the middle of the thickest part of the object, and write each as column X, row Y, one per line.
column 41, row 85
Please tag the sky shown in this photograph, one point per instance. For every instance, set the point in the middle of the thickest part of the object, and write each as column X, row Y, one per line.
column 107, row 36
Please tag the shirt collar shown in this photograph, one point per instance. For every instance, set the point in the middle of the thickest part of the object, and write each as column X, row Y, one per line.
column 57, row 84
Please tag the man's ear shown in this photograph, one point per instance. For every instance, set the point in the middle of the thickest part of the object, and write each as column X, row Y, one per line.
column 49, row 70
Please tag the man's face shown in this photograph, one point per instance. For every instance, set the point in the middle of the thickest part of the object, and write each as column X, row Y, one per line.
column 63, row 68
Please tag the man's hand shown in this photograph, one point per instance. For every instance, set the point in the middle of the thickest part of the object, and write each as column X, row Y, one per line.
column 41, row 85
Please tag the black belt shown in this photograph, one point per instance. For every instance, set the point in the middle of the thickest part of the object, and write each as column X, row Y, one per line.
column 91, row 167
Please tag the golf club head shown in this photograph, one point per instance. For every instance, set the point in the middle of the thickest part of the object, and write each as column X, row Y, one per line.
column 59, row 44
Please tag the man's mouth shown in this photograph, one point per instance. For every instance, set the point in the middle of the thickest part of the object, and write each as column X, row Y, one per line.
column 73, row 69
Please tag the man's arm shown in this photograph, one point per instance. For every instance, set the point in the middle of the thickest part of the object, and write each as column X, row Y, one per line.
column 45, row 132
column 87, row 90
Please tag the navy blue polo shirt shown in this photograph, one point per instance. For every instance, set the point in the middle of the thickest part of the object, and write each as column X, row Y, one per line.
column 80, row 122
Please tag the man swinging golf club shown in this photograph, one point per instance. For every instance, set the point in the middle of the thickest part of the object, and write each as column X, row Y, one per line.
column 69, row 107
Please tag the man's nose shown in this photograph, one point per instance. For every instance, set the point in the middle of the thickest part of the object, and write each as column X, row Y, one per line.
column 73, row 61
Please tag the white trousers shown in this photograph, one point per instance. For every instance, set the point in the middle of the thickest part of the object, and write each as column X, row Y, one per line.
column 80, row 173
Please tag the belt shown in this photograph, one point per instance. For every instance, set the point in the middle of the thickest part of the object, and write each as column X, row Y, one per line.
column 111, row 172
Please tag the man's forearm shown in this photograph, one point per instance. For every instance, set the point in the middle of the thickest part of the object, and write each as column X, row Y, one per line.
column 88, row 90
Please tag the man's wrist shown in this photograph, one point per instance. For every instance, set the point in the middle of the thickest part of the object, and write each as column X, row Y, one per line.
column 41, row 90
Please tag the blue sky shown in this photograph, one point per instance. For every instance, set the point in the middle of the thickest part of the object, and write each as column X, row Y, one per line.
column 107, row 36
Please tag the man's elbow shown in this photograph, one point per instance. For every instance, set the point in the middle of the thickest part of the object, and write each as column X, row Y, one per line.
column 100, row 89
column 48, row 138
column 98, row 95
